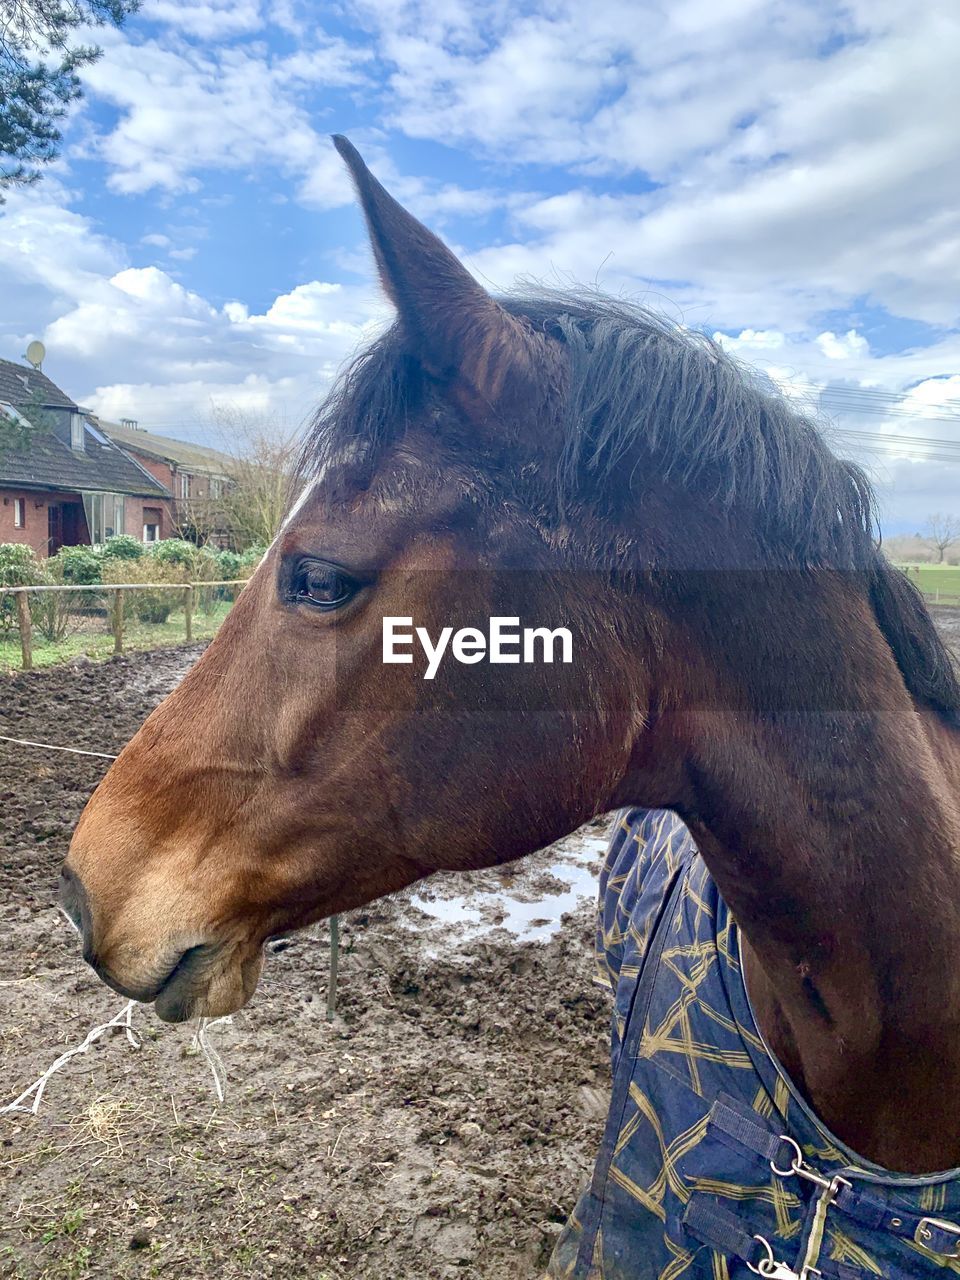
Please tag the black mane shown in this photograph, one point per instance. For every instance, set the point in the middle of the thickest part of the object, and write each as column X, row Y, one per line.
column 643, row 390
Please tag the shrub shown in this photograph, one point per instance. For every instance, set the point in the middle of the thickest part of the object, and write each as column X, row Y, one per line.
column 229, row 564
column 122, row 546
column 204, row 568
column 148, row 605
column 19, row 567
column 71, row 566
column 250, row 558
column 56, row 614
column 229, row 568
column 176, row 551
column 81, row 566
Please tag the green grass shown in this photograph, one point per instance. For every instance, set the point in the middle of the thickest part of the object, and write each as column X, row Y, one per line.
column 95, row 640
column 936, row 578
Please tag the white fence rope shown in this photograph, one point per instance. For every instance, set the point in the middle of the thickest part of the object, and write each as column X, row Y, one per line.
column 121, row 1019
column 48, row 746
column 214, row 1061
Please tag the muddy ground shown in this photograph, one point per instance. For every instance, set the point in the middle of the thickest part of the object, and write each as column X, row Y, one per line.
column 440, row 1126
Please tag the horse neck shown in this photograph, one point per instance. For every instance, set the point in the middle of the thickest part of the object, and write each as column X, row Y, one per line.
column 825, row 805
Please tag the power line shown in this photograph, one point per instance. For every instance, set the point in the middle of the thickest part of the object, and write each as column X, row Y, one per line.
column 901, row 456
column 866, row 400
column 850, row 401
column 893, row 438
column 875, row 395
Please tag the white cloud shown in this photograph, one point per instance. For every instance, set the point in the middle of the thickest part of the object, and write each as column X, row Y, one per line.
column 133, row 342
column 929, row 397
column 49, row 255
column 184, row 110
column 842, row 347
column 211, row 19
column 748, row 340
column 787, row 179
column 746, row 165
column 188, row 408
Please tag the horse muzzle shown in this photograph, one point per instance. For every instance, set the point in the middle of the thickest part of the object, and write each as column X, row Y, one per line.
column 198, row 979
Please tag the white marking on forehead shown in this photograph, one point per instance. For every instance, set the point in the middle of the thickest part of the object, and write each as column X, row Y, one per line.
column 308, row 489
column 306, row 493
column 346, row 455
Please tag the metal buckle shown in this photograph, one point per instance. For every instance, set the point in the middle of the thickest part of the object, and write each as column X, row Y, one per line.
column 923, row 1234
column 800, row 1168
column 769, row 1266
column 795, row 1163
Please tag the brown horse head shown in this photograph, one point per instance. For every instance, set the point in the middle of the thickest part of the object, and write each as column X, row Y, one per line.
column 294, row 774
column 564, row 461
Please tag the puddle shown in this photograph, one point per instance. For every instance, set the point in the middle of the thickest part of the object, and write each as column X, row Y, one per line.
column 570, row 869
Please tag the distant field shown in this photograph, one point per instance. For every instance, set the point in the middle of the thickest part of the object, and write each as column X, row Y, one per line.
column 936, row 580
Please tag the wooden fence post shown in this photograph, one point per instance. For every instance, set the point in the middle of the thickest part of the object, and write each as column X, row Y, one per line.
column 188, row 610
column 117, row 620
column 26, row 633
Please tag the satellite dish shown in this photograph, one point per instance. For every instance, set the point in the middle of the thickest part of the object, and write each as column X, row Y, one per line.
column 35, row 354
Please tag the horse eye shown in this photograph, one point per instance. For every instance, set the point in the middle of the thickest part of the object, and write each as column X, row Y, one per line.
column 324, row 587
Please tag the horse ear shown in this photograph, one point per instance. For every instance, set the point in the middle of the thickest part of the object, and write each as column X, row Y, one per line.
column 462, row 335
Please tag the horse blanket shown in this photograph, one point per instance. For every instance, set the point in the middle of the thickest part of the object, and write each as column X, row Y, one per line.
column 712, row 1165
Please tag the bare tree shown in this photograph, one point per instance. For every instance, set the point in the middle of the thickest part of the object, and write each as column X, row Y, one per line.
column 943, row 531
column 263, row 453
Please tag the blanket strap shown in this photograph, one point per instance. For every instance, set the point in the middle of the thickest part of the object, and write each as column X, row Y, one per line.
column 869, row 1207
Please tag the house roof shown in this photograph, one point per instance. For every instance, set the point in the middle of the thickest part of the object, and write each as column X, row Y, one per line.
column 46, row 460
column 188, row 457
column 47, row 463
column 19, row 384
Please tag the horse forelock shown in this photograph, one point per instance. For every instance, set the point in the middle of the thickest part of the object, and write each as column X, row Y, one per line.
column 646, row 403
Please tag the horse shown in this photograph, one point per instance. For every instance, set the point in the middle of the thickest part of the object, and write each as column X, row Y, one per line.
column 743, row 655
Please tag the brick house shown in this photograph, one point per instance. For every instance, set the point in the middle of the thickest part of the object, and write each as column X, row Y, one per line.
column 67, row 484
column 195, row 475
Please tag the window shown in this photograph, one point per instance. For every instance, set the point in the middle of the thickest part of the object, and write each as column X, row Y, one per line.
column 104, row 512
column 151, row 524
column 216, row 487
column 76, row 433
column 19, row 513
column 184, row 484
column 93, row 507
column 13, row 415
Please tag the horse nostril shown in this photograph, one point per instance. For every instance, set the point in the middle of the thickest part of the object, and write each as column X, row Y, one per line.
column 73, row 903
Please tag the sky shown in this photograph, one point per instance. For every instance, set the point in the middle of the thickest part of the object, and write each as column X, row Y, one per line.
column 783, row 174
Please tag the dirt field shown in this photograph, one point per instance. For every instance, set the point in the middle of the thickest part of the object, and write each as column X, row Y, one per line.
column 441, row 1126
